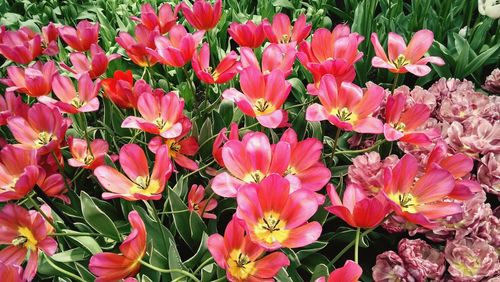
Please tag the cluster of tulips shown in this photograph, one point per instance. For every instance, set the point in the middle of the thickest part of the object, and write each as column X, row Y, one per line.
column 278, row 187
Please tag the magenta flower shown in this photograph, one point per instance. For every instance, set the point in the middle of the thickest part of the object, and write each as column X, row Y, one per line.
column 81, row 38
column 281, row 30
column 421, row 260
column 95, row 67
column 389, row 267
column 225, row 71
column 248, row 34
column 274, row 56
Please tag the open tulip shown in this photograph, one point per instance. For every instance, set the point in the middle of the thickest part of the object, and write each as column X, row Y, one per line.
column 178, row 48
column 137, row 183
column 21, row 46
column 347, row 107
column 262, row 97
column 11, row 105
column 402, row 58
column 122, row 90
column 221, row 139
column 95, row 67
column 163, row 22
column 419, row 201
column 198, row 205
column 250, row 161
column 72, row 101
column 54, row 186
column 350, row 272
column 26, row 234
column 114, row 267
column 248, row 34
column 50, row 34
column 282, row 32
column 11, row 272
column 136, row 47
column 19, row 172
column 160, row 115
column 202, row 15
column 274, row 56
column 274, row 218
column 224, row 72
column 403, row 124
column 85, row 156
column 357, row 209
column 243, row 259
column 34, row 81
column 81, row 38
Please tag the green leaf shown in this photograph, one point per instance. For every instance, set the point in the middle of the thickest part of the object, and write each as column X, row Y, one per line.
column 76, row 254
column 87, row 242
column 97, row 219
column 479, row 61
column 320, row 270
column 174, row 260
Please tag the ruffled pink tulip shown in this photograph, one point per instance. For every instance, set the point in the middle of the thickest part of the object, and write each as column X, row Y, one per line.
column 72, row 101
column 347, row 107
column 225, row 71
column 282, row 32
column 248, row 34
column 19, row 172
column 34, row 81
column 114, row 267
column 274, row 218
column 137, row 183
column 81, row 38
column 87, row 157
column 197, row 204
column 402, row 58
column 162, row 22
column 274, row 56
column 262, row 97
column 178, row 48
column 243, row 259
column 21, row 46
column 202, row 15
column 350, row 272
column 136, row 47
column 97, row 64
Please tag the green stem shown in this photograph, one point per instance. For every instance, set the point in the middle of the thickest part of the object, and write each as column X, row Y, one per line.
column 205, row 207
column 356, row 245
column 200, row 169
column 76, row 234
column 39, row 210
column 361, row 150
column 67, row 273
column 157, row 218
column 47, row 200
column 203, row 264
column 346, row 248
column 173, row 212
column 180, row 271
column 61, row 170
column 337, row 134
column 395, row 83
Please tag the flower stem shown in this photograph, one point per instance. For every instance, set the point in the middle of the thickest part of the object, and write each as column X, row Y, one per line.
column 180, row 271
column 61, row 171
column 361, row 150
column 356, row 245
column 337, row 134
column 346, row 248
column 76, row 234
column 40, row 211
column 205, row 207
column 47, row 200
column 395, row 83
column 203, row 264
column 67, row 273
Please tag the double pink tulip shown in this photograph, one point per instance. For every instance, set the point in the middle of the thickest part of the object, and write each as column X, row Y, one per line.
column 274, row 56
column 19, row 172
column 197, row 204
column 88, row 157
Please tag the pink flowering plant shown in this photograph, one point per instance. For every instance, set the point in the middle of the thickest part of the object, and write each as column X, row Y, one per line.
column 219, row 140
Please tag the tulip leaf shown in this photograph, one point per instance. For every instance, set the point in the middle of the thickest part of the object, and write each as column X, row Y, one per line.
column 98, row 219
column 76, row 254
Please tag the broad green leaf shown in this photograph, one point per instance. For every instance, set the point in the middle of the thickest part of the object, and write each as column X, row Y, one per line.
column 76, row 254
column 97, row 219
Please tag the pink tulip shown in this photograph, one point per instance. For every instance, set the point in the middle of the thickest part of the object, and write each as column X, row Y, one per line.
column 19, row 172
column 243, row 259
column 225, row 71
column 202, row 15
column 178, row 48
column 25, row 232
column 198, row 205
column 123, row 91
column 136, row 47
column 115, row 267
column 274, row 218
column 11, row 105
column 160, row 115
column 347, row 108
column 95, row 67
column 21, row 46
column 162, row 22
column 403, row 59
column 54, row 186
column 350, row 272
column 419, row 201
column 87, row 157
column 34, row 81
column 248, row 34
column 11, row 272
column 50, row 34
column 403, row 124
column 221, row 139
column 274, row 56
column 250, row 161
column 43, row 128
column 357, row 209
column 262, row 97
column 81, row 38
column 282, row 32
column 137, row 183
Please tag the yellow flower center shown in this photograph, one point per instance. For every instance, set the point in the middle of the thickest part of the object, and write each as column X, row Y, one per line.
column 145, row 185
column 173, row 146
column 271, row 228
column 400, row 61
column 285, row 38
column 406, row 201
column 25, row 238
column 290, row 170
column 89, row 158
column 263, row 107
column 239, row 265
column 161, row 124
column 344, row 115
column 11, row 185
column 254, row 177
column 44, row 138
column 77, row 103
column 400, row 127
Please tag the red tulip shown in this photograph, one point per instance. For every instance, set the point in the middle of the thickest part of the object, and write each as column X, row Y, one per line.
column 82, row 37
column 225, row 71
column 54, row 186
column 21, row 46
column 248, row 34
column 19, row 172
column 198, row 205
column 11, row 272
column 163, row 22
column 136, row 47
column 34, row 81
column 122, row 91
column 97, row 64
column 202, row 15
column 281, row 30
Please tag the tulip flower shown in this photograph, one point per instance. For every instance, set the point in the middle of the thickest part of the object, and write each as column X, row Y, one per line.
column 243, row 259
column 262, row 97
column 163, row 22
column 198, row 205
column 248, row 34
column 85, row 156
column 50, row 33
column 81, row 38
column 160, row 115
column 19, row 172
column 137, row 183
column 249, row 161
column 419, row 201
column 274, row 218
column 178, row 48
column 220, row 139
column 11, row 105
column 180, row 147
column 34, row 81
column 43, row 128
column 274, row 56
column 282, row 32
column 136, row 47
column 402, row 58
column 202, row 15
column 347, row 107
column 403, row 124
column 122, row 91
column 114, row 267
column 21, row 46
column 350, row 272
column 11, row 272
column 333, row 53
column 225, row 71
column 72, row 101
column 26, row 234
column 95, row 67
column 357, row 209
column 54, row 186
